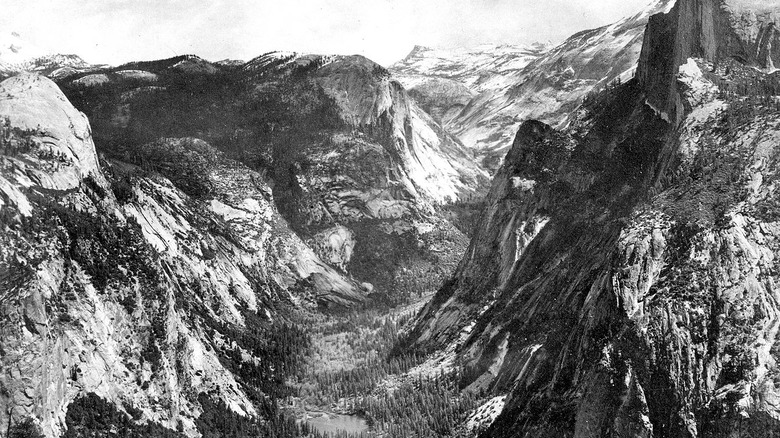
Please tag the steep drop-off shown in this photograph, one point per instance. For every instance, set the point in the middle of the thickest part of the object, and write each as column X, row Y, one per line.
column 717, row 31
column 540, row 83
column 622, row 281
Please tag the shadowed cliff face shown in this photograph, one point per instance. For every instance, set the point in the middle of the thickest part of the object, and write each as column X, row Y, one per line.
column 622, row 281
column 716, row 31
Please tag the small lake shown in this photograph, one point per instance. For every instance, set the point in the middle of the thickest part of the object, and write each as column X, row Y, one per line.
column 331, row 423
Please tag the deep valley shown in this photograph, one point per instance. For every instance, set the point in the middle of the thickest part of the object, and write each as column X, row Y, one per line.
column 554, row 240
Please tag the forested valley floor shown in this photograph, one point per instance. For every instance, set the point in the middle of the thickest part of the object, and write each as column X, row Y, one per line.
column 354, row 376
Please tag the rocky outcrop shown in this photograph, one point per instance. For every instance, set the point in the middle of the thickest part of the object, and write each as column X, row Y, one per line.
column 433, row 164
column 116, row 281
column 343, row 144
column 512, row 218
column 620, row 282
column 32, row 104
column 716, row 31
column 385, row 183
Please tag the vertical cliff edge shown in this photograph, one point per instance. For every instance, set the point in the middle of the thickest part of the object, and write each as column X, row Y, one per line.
column 716, row 31
column 160, row 292
column 622, row 280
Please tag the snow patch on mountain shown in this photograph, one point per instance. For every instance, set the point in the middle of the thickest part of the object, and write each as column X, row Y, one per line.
column 697, row 89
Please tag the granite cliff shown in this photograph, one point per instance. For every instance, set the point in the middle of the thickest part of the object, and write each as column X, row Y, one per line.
column 357, row 169
column 622, row 279
column 128, row 283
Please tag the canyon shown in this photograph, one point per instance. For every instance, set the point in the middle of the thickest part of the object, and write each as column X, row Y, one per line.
column 509, row 241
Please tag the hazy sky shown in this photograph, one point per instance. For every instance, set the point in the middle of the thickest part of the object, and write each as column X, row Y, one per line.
column 116, row 31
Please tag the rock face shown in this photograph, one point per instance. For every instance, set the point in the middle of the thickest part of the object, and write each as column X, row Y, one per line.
column 715, row 31
column 438, row 168
column 542, row 83
column 358, row 170
column 136, row 285
column 377, row 178
column 622, row 281
column 36, row 105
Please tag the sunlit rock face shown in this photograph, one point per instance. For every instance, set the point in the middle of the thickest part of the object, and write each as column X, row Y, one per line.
column 36, row 105
column 132, row 284
column 343, row 146
column 622, row 281
column 439, row 169
column 384, row 185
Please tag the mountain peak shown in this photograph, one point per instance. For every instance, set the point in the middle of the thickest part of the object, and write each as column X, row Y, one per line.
column 18, row 55
column 15, row 50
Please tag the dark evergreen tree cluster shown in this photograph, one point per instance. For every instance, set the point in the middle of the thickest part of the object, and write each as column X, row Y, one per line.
column 25, row 428
column 429, row 407
column 13, row 140
column 418, row 406
column 91, row 416
column 332, row 386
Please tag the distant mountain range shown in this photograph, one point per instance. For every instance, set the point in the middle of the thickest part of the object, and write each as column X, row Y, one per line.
column 482, row 95
column 18, row 56
column 170, row 230
column 476, row 67
column 479, row 95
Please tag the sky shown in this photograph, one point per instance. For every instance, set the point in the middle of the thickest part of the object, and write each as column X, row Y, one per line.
column 117, row 31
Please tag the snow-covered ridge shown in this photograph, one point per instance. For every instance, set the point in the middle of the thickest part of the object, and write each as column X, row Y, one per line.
column 18, row 56
column 469, row 66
